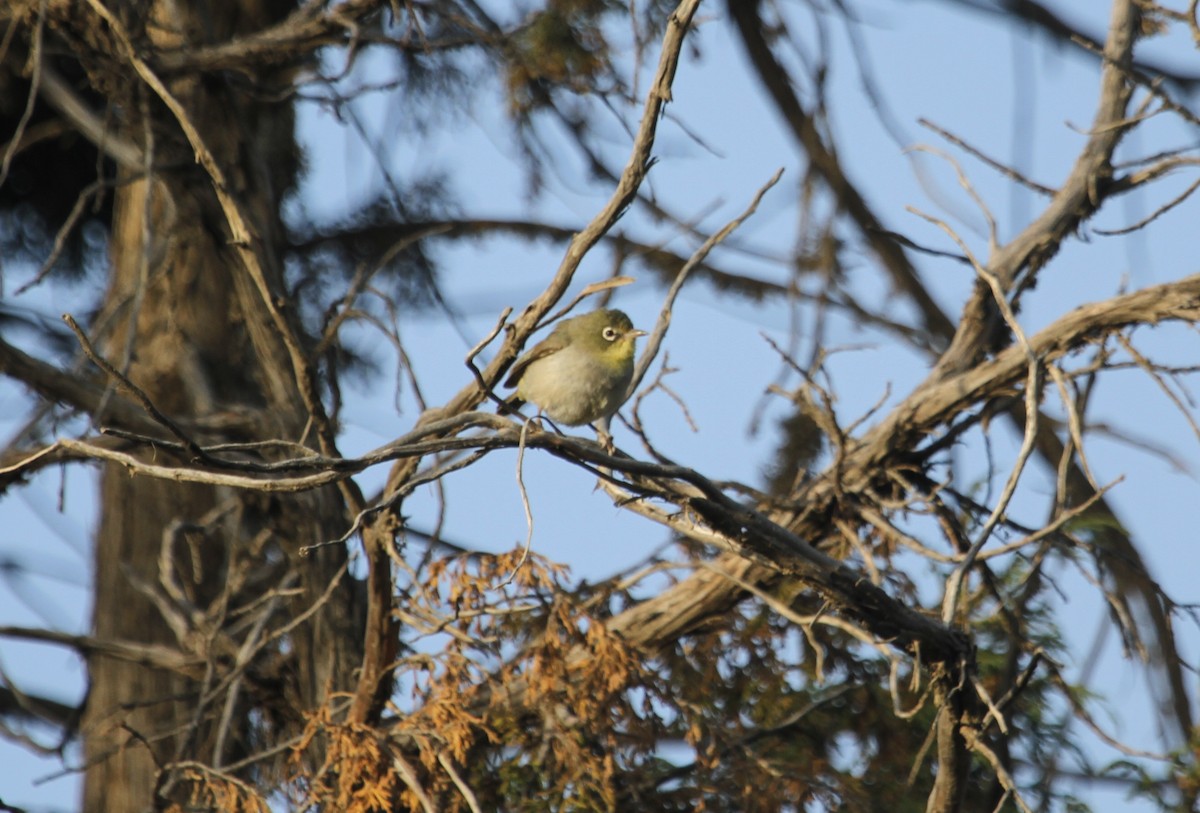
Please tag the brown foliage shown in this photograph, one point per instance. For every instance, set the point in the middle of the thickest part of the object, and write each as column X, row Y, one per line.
column 868, row 633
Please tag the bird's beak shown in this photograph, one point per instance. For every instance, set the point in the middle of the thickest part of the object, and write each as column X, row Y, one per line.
column 635, row 333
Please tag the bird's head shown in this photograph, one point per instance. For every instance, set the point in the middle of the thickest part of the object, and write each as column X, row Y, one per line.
column 606, row 334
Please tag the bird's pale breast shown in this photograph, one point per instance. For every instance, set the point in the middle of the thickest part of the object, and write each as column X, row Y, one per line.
column 573, row 388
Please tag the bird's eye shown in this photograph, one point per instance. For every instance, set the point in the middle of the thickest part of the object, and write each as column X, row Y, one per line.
column 609, row 333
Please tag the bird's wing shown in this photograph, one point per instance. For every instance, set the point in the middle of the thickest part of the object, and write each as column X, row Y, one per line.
column 547, row 346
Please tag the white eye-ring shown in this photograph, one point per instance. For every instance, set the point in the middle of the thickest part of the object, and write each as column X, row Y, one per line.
column 609, row 333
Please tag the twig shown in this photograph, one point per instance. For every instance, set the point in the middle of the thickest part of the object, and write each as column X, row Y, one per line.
column 954, row 583
column 182, row 474
column 524, row 504
column 59, row 95
column 134, row 390
column 159, row 656
column 1032, row 403
column 850, row 534
column 1082, row 713
column 915, row 771
column 894, row 689
column 1074, row 424
column 1150, row 370
column 35, row 57
column 60, row 236
column 241, row 237
column 654, row 341
column 994, row 711
column 1150, row 218
column 636, row 169
column 1021, row 681
column 478, row 348
column 409, row 776
column 1005, row 779
column 1048, row 530
column 1004, row 170
column 594, row 288
column 463, row 787
column 658, row 384
column 368, row 704
column 965, row 183
column 396, row 498
column 362, row 276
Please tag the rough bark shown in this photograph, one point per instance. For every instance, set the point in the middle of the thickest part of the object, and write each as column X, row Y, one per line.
column 200, row 344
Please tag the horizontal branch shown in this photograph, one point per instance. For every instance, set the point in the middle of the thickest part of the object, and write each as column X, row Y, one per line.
column 296, row 39
column 15, row 704
column 737, row 528
column 82, row 392
column 929, row 406
column 155, row 655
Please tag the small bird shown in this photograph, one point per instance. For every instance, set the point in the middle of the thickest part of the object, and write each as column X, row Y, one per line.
column 579, row 373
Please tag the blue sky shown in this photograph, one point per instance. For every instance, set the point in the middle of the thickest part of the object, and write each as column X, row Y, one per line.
column 1009, row 93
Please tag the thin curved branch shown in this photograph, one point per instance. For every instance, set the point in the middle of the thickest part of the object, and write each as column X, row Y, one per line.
column 381, row 635
column 1077, row 199
column 654, row 341
column 156, row 655
column 243, row 238
column 774, row 76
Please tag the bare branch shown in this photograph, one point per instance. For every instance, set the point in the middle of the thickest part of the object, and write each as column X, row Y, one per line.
column 654, row 341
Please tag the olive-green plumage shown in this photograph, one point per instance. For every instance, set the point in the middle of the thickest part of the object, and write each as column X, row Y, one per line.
column 579, row 373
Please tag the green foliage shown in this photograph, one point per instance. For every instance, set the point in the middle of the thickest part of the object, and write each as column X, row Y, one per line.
column 560, row 46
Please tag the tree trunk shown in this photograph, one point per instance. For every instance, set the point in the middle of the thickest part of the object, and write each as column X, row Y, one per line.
column 175, row 562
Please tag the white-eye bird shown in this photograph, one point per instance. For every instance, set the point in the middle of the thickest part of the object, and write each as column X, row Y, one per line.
column 579, row 373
